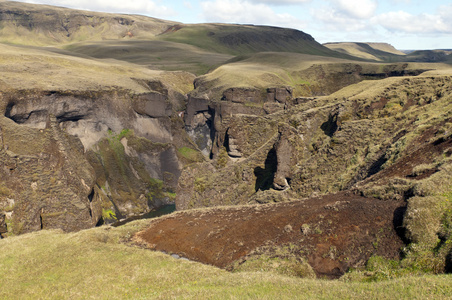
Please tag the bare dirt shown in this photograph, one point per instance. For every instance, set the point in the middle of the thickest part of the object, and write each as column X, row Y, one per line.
column 333, row 232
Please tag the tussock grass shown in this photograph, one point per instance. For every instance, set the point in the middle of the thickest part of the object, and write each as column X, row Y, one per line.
column 95, row 264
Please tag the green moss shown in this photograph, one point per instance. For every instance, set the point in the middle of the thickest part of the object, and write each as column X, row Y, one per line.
column 108, row 214
column 190, row 154
column 171, row 196
column 156, row 190
column 124, row 133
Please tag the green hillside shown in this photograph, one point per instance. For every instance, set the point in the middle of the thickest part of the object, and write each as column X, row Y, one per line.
column 245, row 39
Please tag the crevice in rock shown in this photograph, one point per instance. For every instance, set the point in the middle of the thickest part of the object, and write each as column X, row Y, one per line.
column 211, row 125
column 330, row 126
column 376, row 166
column 8, row 110
column 448, row 266
column 100, row 222
column 397, row 221
column 265, row 176
column 226, row 141
column 3, row 225
column 69, row 117
column 18, row 118
column 91, row 196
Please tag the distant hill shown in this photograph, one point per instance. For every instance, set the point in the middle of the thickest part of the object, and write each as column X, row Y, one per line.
column 42, row 25
column 155, row 43
column 385, row 47
column 246, row 39
column 387, row 53
column 370, row 51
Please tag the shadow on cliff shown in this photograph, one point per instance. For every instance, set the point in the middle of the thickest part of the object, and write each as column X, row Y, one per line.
column 264, row 177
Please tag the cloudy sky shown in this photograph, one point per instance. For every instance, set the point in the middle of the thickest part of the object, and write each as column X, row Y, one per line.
column 406, row 24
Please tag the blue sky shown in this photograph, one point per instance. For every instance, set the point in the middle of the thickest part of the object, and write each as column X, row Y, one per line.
column 406, row 24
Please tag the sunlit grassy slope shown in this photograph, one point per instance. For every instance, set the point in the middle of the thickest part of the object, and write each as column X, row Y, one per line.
column 154, row 54
column 199, row 48
column 40, row 68
column 244, row 39
column 42, row 25
column 95, row 264
column 370, row 51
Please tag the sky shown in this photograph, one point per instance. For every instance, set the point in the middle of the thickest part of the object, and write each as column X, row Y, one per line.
column 405, row 24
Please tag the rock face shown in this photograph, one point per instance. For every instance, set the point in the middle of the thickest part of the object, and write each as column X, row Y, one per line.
column 74, row 159
column 47, row 181
column 388, row 141
column 319, row 146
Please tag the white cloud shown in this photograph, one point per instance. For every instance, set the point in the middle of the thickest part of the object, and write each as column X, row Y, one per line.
column 188, row 5
column 142, row 7
column 360, row 9
column 401, row 21
column 280, row 2
column 344, row 16
column 237, row 11
column 330, row 19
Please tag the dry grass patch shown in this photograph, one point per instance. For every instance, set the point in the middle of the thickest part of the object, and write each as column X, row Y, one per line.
column 95, row 264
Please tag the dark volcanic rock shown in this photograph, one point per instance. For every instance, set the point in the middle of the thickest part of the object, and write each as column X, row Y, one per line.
column 74, row 159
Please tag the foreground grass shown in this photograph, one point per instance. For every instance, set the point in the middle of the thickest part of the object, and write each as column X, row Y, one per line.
column 95, row 264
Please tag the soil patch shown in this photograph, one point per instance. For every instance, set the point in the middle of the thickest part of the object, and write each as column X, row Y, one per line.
column 333, row 232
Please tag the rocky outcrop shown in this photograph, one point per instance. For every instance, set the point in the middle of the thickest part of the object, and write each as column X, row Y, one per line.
column 389, row 141
column 46, row 180
column 318, row 146
column 154, row 105
column 74, row 159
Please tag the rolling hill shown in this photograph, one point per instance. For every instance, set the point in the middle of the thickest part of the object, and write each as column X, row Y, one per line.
column 386, row 53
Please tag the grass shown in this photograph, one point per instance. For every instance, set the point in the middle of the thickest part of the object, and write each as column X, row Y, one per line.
column 95, row 264
column 369, row 51
column 246, row 39
column 45, row 69
column 155, row 54
column 190, row 154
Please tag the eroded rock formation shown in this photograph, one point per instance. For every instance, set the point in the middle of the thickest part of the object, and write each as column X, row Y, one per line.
column 74, row 159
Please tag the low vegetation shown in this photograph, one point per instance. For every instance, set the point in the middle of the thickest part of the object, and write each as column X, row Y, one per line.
column 99, row 264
